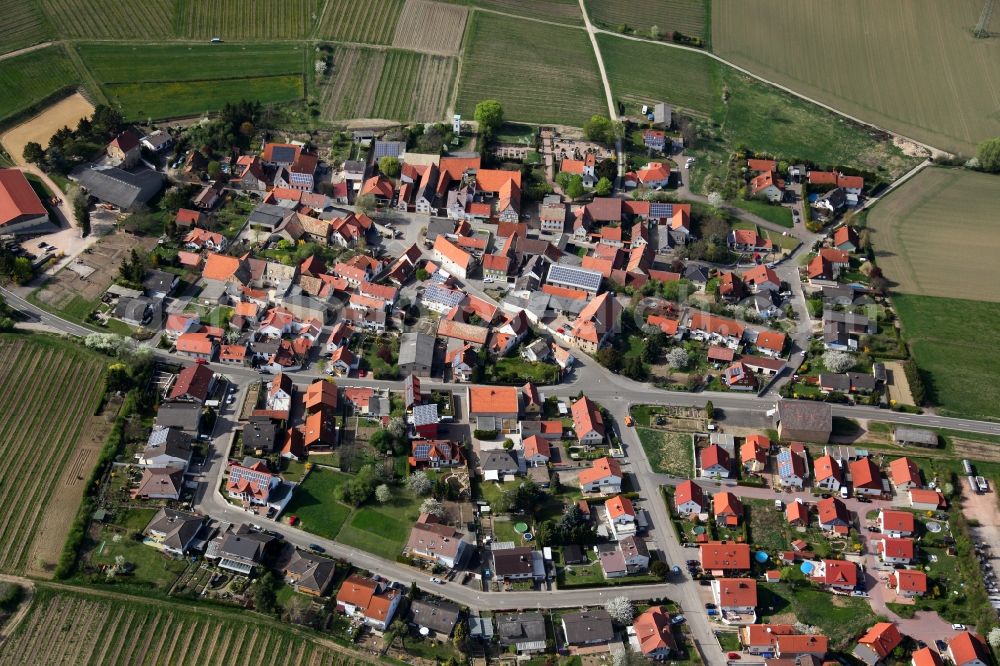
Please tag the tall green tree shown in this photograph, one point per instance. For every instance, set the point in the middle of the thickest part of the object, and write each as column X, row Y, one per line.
column 389, row 165
column 489, row 116
column 989, row 155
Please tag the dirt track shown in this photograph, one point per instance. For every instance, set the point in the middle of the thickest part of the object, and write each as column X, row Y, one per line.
column 40, row 128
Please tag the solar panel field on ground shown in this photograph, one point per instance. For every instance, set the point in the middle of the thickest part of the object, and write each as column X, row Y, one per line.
column 539, row 72
column 908, row 65
column 164, row 80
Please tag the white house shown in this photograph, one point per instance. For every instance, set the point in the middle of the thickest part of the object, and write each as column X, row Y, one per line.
column 689, row 499
column 621, row 516
column 604, row 475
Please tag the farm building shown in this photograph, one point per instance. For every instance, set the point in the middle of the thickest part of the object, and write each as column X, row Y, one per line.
column 21, row 211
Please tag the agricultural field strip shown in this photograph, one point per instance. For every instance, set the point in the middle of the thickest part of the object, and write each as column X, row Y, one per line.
column 27, row 79
column 110, row 19
column 21, row 24
column 43, row 490
column 431, row 27
column 234, row 19
column 123, row 63
column 33, row 432
column 363, row 22
column 686, row 16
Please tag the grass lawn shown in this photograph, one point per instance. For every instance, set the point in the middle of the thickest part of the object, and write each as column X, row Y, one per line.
column 592, row 575
column 668, row 452
column 840, row 617
column 28, row 79
column 770, row 212
column 186, row 98
column 770, row 531
column 137, row 63
column 152, row 567
column 516, row 370
column 382, row 529
column 316, row 505
column 947, row 337
column 729, row 640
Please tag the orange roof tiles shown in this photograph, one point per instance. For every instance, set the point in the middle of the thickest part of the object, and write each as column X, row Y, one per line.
column 688, row 491
column 536, row 446
column 587, row 417
column 903, row 470
column 653, row 629
column 731, row 556
column 220, row 267
column 727, row 504
column 737, row 592
column 762, row 165
column 600, row 469
column 452, row 252
column 967, row 648
column 926, row 657
column 825, row 467
column 864, row 474
column 195, row 343
column 493, row 400
column 882, row 638
column 619, row 506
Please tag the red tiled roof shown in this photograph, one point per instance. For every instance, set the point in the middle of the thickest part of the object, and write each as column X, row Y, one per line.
column 587, row 417
column 903, row 470
column 452, row 252
column 966, row 648
column 717, row 555
column 926, row 657
column 864, row 474
column 493, row 400
column 762, row 165
column 654, row 631
column 911, row 580
column 688, row 491
column 825, row 467
column 882, row 638
column 737, row 592
column 600, row 469
column 897, row 521
column 17, row 198
column 832, row 509
column 727, row 504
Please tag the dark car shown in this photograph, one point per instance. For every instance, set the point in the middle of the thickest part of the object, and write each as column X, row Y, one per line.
column 864, row 500
column 709, row 606
column 941, row 645
column 317, row 548
column 825, row 495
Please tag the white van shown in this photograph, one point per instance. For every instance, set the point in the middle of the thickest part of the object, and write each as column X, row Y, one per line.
column 844, row 493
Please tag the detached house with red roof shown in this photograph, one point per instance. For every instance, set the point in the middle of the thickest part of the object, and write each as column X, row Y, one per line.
column 797, row 513
column 753, row 454
column 748, row 240
column 622, row 516
column 124, row 150
column 652, row 635
column 833, row 515
column 715, row 462
column 452, row 258
column 537, row 451
column 836, row 575
column 727, row 508
column 904, row 474
column 767, row 186
column 878, row 643
column 588, row 422
column 689, row 499
column 968, row 649
column 655, row 175
column 380, row 188
column 866, row 478
column 908, row 583
column 256, row 486
column 896, row 523
column 895, row 551
column 197, row 345
column 725, row 558
column 604, row 476
column 828, row 473
column 598, row 320
column 736, row 598
column 372, row 601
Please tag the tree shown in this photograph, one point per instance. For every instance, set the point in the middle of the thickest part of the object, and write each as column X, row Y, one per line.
column 603, row 187
column 433, row 507
column 678, row 358
column 383, row 494
column 607, row 168
column 988, row 155
column 709, row 410
column 574, row 190
column 397, row 427
column 489, row 116
column 460, row 636
column 634, row 368
column 610, row 358
column 213, row 169
column 81, row 209
column 659, row 569
column 993, row 638
column 389, row 166
column 600, row 129
column 418, row 483
column 33, row 152
column 365, row 203
column 715, row 200
column 422, row 274
column 297, row 609
column 621, row 610
column 381, row 441
column 265, row 593
column 836, row 361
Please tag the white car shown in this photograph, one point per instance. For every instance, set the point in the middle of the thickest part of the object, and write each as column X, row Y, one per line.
column 437, row 580
column 958, row 627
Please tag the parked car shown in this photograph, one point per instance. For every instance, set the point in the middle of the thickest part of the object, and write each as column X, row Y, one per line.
column 437, row 580
column 677, row 619
column 315, row 547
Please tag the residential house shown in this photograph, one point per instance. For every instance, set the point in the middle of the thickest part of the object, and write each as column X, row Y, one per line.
column 762, row 166
column 715, row 462
column 797, row 513
column 968, row 649
column 781, row 640
column 878, row 643
column 904, row 474
column 604, row 475
column 760, row 278
column 748, row 240
column 727, row 509
column 726, row 558
column 241, row 551
column 587, row 628
column 416, row 354
column 166, row 447
column 525, row 631
column 653, row 635
column 370, row 600
column 498, row 464
column 197, row 345
column 793, row 469
column 437, row 616
column 866, row 479
column 925, row 656
column 926, row 500
column 588, row 422
column 573, row 277
column 499, row 402
column 753, row 453
column 827, row 473
column 654, row 175
column 194, row 383
column 714, row 329
column 252, row 485
column 185, row 416
column 552, row 215
column 739, row 377
column 688, row 498
column 622, row 516
column 845, row 239
column 737, row 596
column 452, row 258
column 908, row 583
column 517, row 564
column 435, row 453
column 160, row 483
column 833, row 515
column 585, row 168
column 654, row 139
column 463, row 362
column 837, row 575
column 895, row 551
column 597, row 322
column 768, row 186
column 310, row 574
column 536, row 450
column 124, row 150
column 635, row 552
column 433, row 541
column 173, row 532
column 896, row 524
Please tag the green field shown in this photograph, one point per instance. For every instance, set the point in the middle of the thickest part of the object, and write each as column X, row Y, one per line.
column 371, row 22
column 67, row 626
column 841, row 618
column 939, row 220
column 770, row 212
column 390, row 84
column 166, row 80
column 21, row 24
column 40, row 433
column 28, row 79
column 111, row 19
column 685, row 16
column 561, row 11
column 381, row 529
column 316, row 505
column 757, row 116
column 950, row 339
column 908, row 65
column 247, row 19
column 550, row 73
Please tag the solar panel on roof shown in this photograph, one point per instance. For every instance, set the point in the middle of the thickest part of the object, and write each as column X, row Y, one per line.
column 421, row 451
column 283, row 154
column 575, row 277
column 659, row 210
column 388, row 148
